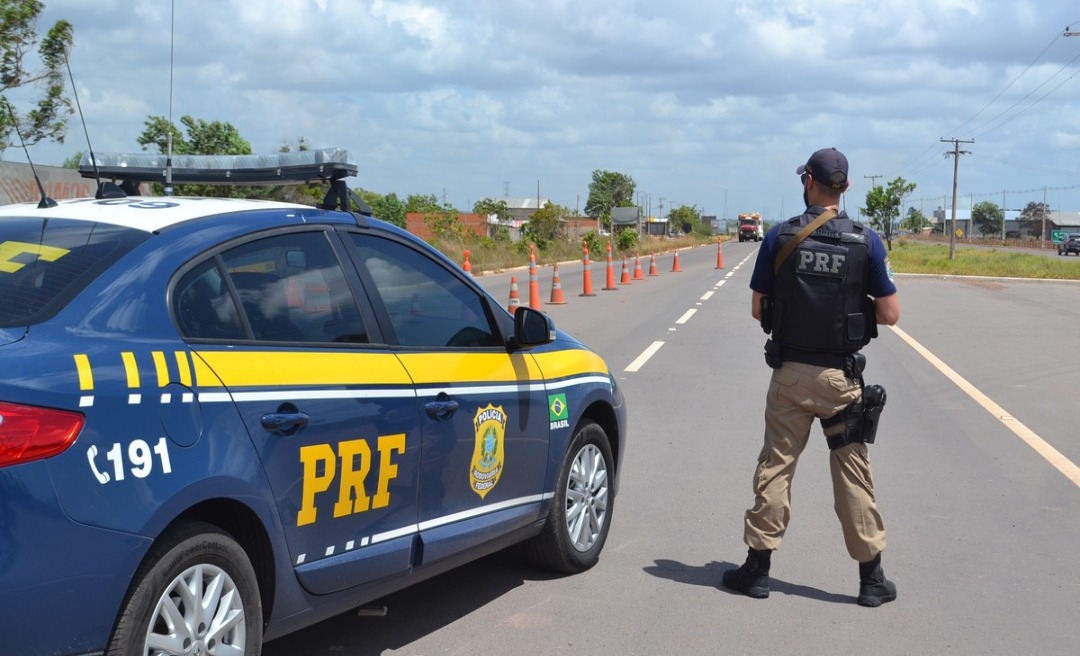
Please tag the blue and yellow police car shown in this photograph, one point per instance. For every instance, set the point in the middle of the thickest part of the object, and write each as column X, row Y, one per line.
column 224, row 420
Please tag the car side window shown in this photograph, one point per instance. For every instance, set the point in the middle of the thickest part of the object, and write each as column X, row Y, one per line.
column 203, row 307
column 427, row 305
column 291, row 288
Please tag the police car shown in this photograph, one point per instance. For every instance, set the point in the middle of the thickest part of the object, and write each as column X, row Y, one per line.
column 224, row 420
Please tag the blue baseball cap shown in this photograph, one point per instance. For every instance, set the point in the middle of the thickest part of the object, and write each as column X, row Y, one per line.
column 827, row 166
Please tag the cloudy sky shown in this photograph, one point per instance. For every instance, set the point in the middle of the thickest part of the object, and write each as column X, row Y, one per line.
column 704, row 103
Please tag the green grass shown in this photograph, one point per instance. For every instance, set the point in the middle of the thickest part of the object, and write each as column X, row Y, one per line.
column 908, row 256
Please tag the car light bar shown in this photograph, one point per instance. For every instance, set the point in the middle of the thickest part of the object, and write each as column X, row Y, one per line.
column 278, row 169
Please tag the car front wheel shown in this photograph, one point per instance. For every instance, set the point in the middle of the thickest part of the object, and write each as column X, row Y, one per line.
column 196, row 593
column 580, row 517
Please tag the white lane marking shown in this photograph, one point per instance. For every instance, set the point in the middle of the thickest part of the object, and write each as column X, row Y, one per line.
column 1041, row 446
column 640, row 361
column 686, row 317
column 706, row 296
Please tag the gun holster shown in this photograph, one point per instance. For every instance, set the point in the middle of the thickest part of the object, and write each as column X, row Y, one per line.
column 773, row 354
column 766, row 307
column 860, row 419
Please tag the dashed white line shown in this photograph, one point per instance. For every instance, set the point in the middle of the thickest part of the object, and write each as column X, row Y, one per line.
column 640, row 361
column 686, row 317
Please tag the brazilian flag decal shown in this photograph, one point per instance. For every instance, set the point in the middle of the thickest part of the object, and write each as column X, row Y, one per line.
column 558, row 411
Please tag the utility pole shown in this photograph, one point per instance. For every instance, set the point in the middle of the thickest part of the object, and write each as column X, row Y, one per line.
column 956, row 153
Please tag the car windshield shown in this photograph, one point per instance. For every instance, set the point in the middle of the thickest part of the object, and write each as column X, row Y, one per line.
column 44, row 263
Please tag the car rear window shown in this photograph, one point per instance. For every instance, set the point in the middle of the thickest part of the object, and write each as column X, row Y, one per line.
column 44, row 263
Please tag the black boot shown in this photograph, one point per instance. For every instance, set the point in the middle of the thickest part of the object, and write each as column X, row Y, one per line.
column 752, row 579
column 874, row 588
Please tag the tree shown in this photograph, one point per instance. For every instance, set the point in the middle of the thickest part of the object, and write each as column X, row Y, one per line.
column 988, row 217
column 388, row 208
column 488, row 207
column 883, row 205
column 687, row 218
column 915, row 221
column 1034, row 218
column 18, row 37
column 544, row 224
column 607, row 191
column 203, row 138
column 73, row 161
column 415, row 203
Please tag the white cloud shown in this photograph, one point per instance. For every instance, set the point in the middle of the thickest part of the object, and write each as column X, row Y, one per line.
column 696, row 101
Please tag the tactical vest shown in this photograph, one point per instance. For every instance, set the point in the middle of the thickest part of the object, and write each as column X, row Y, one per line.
column 819, row 294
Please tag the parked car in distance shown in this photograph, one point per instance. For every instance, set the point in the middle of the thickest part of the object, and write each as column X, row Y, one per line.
column 223, row 420
column 1071, row 244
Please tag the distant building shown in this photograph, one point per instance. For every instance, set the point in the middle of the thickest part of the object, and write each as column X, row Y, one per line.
column 17, row 184
column 1014, row 227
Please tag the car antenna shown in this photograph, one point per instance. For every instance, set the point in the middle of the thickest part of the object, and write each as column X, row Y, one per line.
column 45, row 201
column 101, row 190
column 168, row 146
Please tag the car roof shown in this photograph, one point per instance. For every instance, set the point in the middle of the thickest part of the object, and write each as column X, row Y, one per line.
column 157, row 212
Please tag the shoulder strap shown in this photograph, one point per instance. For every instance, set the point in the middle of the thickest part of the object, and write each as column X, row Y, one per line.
column 822, row 219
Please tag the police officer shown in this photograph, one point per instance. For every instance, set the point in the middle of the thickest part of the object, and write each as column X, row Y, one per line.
column 820, row 295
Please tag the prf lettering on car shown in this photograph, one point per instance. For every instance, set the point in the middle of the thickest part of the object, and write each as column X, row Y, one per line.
column 321, row 471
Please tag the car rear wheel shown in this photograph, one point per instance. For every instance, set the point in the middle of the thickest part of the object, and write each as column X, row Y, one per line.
column 196, row 593
column 580, row 516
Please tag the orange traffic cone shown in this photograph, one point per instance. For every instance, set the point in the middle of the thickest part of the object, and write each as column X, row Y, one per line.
column 637, row 268
column 624, row 279
column 675, row 268
column 556, row 288
column 534, row 284
column 719, row 253
column 515, row 297
column 652, row 266
column 586, row 275
column 610, row 272
column 467, row 267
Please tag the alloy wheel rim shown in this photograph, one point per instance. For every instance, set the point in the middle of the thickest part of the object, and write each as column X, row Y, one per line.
column 201, row 613
column 586, row 498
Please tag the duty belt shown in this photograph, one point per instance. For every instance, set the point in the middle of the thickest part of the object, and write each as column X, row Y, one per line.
column 816, row 358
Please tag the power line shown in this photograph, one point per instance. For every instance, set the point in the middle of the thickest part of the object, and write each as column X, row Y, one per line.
column 1009, row 85
column 1040, row 99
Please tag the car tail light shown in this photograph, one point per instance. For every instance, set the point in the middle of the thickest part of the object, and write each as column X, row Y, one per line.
column 31, row 433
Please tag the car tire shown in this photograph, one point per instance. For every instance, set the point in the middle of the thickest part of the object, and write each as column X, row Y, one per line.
column 577, row 524
column 190, row 566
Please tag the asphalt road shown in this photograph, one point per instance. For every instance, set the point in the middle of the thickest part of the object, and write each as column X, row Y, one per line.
column 975, row 472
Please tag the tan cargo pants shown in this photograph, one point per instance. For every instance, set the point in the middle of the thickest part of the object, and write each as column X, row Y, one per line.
column 798, row 394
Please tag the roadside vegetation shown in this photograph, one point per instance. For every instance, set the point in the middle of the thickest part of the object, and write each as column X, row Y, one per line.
column 913, row 256
column 487, row 255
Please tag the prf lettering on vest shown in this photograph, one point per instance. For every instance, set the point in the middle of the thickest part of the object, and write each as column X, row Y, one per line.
column 321, row 471
column 823, row 263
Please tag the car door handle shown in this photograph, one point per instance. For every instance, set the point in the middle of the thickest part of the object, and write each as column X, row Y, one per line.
column 285, row 423
column 442, row 408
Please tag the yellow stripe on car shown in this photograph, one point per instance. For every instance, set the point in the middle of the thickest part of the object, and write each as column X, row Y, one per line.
column 431, row 368
column 279, row 369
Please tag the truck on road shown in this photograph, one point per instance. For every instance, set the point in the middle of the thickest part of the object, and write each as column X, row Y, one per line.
column 750, row 228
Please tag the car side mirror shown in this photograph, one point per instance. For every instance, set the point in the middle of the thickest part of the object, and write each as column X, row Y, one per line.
column 531, row 328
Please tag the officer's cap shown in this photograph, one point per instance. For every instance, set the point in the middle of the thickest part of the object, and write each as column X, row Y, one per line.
column 827, row 166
